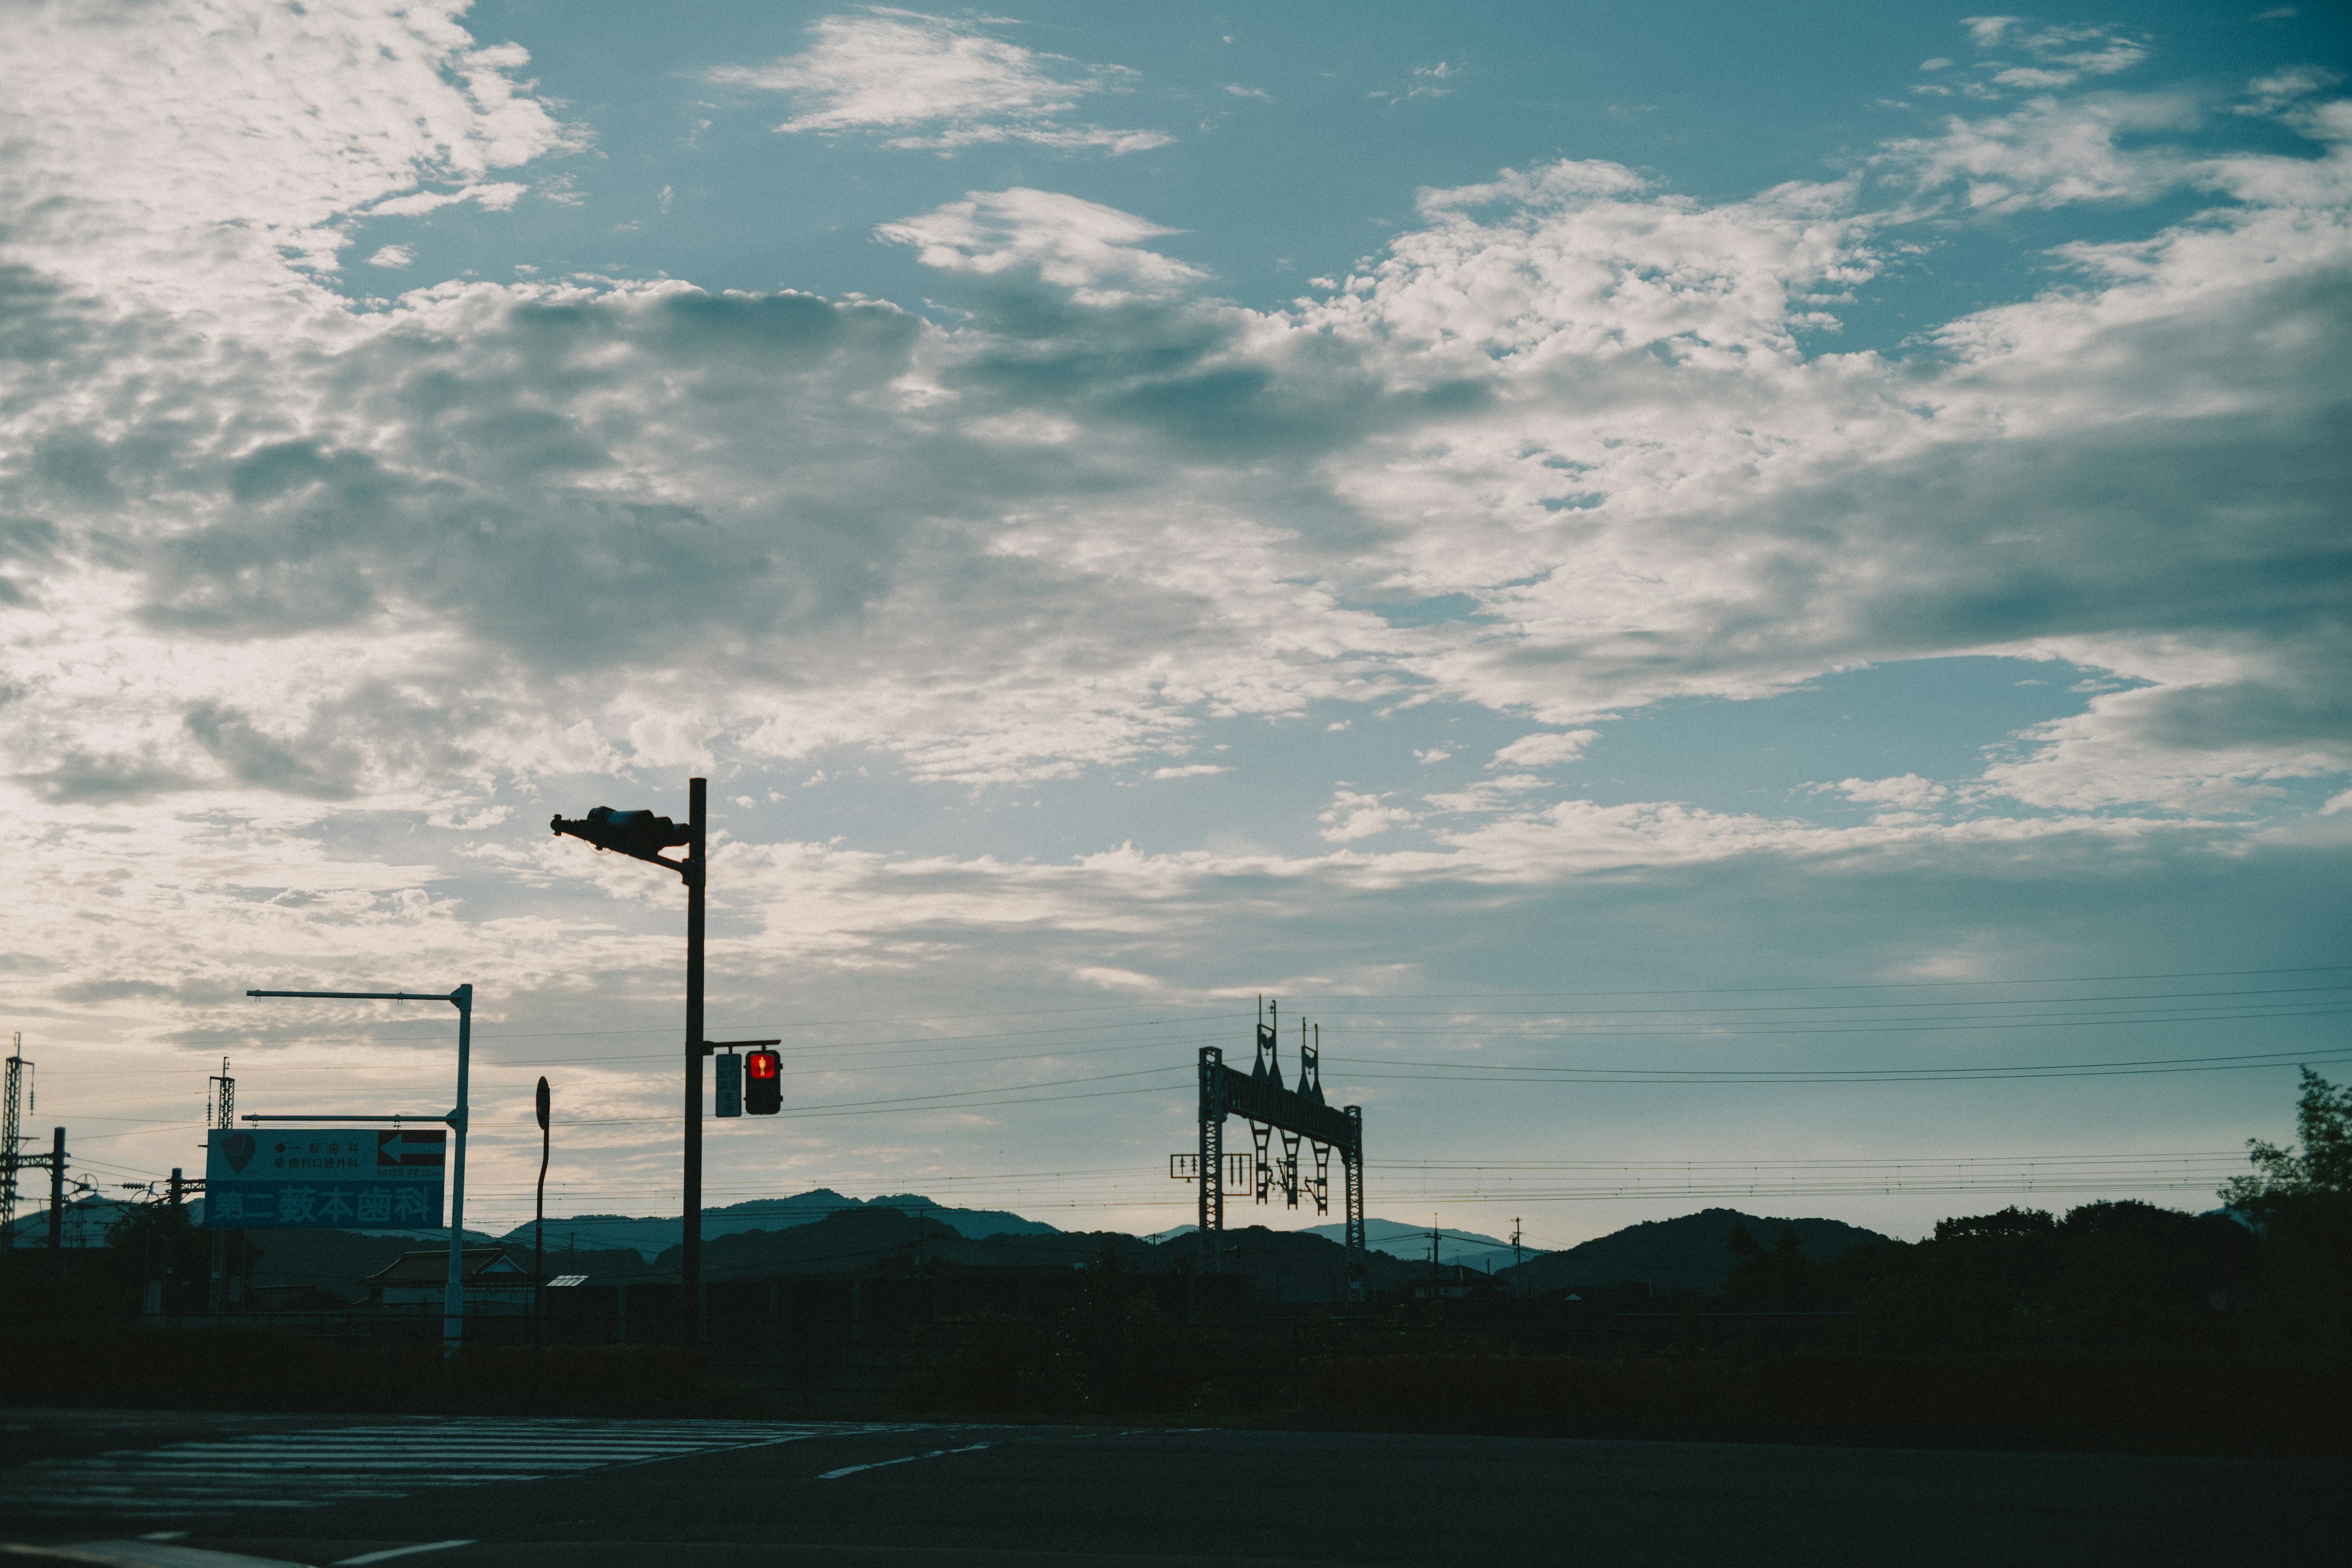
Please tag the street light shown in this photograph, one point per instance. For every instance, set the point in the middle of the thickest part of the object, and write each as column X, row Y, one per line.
column 643, row 836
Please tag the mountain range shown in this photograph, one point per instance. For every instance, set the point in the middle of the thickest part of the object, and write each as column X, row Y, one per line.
column 824, row 1230
column 650, row 1237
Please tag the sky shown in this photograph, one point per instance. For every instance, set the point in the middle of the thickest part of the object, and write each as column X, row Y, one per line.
column 1743, row 604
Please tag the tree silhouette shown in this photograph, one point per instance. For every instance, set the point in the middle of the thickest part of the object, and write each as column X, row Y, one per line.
column 2322, row 1124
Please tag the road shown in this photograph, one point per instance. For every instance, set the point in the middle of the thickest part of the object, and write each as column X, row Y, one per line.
column 182, row 1491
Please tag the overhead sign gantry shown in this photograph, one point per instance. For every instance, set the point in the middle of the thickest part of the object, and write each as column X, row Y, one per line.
column 1299, row 1113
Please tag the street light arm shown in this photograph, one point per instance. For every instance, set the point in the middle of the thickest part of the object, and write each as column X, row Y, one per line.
column 367, row 995
column 637, row 846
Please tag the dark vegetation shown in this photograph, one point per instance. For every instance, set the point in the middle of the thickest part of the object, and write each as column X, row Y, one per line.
column 2114, row 1324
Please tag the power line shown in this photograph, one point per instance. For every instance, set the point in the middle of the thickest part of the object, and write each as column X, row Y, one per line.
column 1861, row 1027
column 1470, row 1070
column 1872, row 985
column 1861, row 1006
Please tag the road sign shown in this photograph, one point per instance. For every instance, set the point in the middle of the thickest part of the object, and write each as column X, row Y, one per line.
column 334, row 1178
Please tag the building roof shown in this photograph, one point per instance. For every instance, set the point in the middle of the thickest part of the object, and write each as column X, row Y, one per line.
column 432, row 1267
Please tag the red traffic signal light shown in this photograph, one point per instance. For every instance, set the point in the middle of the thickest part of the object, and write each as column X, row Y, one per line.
column 763, row 1085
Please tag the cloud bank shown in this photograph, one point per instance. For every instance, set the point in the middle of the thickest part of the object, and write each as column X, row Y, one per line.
column 287, row 579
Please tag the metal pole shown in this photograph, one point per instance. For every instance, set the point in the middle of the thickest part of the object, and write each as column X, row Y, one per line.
column 58, row 1190
column 453, row 1304
column 689, row 1260
column 538, row 1227
column 1355, row 1200
column 1213, row 1156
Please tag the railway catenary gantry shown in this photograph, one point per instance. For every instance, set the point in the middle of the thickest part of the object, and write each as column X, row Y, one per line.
column 1298, row 1113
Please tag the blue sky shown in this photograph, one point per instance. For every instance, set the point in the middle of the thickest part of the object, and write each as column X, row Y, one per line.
column 1737, row 549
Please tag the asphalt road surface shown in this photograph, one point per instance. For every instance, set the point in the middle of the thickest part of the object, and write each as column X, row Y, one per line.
column 192, row 1491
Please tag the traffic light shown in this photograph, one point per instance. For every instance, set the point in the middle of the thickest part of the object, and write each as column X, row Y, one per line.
column 763, row 1083
column 730, row 1088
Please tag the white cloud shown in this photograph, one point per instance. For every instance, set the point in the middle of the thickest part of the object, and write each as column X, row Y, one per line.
column 1907, row 791
column 1188, row 771
column 2052, row 153
column 392, row 256
column 1355, row 814
column 260, row 586
column 1545, row 750
column 496, row 197
column 1423, row 82
column 203, row 154
column 939, row 84
column 1431, row 755
column 1094, row 251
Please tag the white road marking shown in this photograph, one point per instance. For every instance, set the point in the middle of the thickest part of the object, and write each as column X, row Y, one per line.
column 287, row 1470
column 163, row 1554
column 908, row 1459
column 389, row 1553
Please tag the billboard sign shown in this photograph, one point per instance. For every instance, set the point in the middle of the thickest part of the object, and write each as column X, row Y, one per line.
column 327, row 1178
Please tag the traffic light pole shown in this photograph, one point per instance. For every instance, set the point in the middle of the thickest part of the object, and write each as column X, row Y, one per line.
column 642, row 836
column 689, row 1259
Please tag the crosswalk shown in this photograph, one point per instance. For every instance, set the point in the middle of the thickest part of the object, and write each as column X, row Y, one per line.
column 268, row 1471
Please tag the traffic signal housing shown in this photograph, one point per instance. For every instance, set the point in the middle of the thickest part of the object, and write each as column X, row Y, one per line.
column 763, row 1083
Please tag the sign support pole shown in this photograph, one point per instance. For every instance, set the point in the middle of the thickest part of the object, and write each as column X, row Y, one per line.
column 453, row 1304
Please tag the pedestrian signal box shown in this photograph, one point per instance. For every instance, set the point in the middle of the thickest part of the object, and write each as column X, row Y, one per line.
column 729, row 1094
column 763, row 1083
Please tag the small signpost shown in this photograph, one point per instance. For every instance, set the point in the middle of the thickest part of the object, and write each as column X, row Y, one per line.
column 344, row 1178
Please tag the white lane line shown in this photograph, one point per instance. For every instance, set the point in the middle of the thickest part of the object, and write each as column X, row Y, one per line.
column 163, row 1554
column 910, row 1459
column 389, row 1553
column 290, row 1471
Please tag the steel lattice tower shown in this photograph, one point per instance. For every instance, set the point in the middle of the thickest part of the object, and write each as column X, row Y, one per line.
column 9, row 1128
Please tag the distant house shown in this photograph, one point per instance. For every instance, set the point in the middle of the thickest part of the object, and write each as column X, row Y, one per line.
column 494, row 1283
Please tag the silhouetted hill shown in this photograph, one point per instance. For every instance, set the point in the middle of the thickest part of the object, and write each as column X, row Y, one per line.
column 1289, row 1265
column 653, row 1236
column 1688, row 1253
column 872, row 1237
column 1411, row 1243
column 1293, row 1265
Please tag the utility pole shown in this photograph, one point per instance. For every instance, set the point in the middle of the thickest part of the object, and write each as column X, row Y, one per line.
column 689, row 1250
column 57, row 1191
column 538, row 1226
column 1518, row 1281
